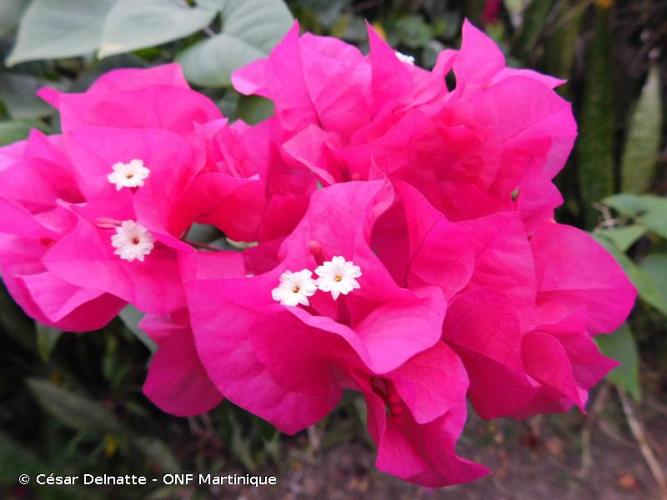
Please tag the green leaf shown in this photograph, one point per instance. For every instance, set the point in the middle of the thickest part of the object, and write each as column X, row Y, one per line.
column 630, row 205
column 273, row 446
column 10, row 13
column 17, row 93
column 642, row 144
column 227, row 104
column 647, row 287
column 137, row 24
column 656, row 221
column 131, row 317
column 623, row 237
column 534, row 21
column 240, row 445
column 12, row 131
column 14, row 322
column 211, row 62
column 157, row 452
column 250, row 30
column 595, row 153
column 516, row 10
column 655, row 265
column 52, row 29
column 647, row 210
column 47, row 338
column 16, row 460
column 15, row 130
column 203, row 233
column 561, row 44
column 253, row 109
column 74, row 410
column 412, row 31
column 622, row 347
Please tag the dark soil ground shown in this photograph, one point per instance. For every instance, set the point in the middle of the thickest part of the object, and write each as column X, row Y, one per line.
column 571, row 456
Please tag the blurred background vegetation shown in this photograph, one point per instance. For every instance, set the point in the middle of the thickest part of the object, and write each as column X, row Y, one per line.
column 73, row 403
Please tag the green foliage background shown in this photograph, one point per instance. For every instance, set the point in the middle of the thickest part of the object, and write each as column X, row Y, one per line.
column 72, row 402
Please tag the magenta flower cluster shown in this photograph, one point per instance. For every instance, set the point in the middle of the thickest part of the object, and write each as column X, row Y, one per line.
column 397, row 238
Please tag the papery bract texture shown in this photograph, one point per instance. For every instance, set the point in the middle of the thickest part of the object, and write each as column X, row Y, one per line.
column 381, row 232
column 36, row 182
column 177, row 382
column 289, row 364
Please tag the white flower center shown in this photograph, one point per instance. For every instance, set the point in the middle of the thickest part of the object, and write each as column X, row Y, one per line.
column 132, row 241
column 294, row 288
column 128, row 175
column 404, row 58
column 337, row 276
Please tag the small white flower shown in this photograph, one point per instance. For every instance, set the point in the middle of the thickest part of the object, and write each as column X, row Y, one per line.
column 132, row 241
column 294, row 288
column 337, row 276
column 405, row 58
column 129, row 175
